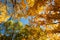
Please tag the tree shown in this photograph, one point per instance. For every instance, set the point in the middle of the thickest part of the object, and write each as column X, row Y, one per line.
column 45, row 13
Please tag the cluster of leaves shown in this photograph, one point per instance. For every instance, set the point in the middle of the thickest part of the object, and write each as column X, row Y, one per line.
column 17, row 32
column 11, row 28
column 31, row 33
column 3, row 13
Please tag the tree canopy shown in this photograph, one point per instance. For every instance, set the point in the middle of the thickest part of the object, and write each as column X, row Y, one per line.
column 43, row 25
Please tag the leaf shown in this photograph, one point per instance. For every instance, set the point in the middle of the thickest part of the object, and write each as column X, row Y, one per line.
column 3, row 16
column 30, row 2
column 23, row 4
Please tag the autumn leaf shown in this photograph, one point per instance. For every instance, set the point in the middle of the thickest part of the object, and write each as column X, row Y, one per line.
column 3, row 16
column 23, row 4
column 30, row 2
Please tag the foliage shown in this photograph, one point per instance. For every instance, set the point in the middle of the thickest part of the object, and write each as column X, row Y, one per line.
column 45, row 13
column 3, row 13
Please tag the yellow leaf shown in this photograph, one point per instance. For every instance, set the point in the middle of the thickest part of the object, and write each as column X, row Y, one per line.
column 3, row 16
column 30, row 2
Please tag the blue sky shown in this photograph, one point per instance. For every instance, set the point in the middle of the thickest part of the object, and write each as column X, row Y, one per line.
column 24, row 21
